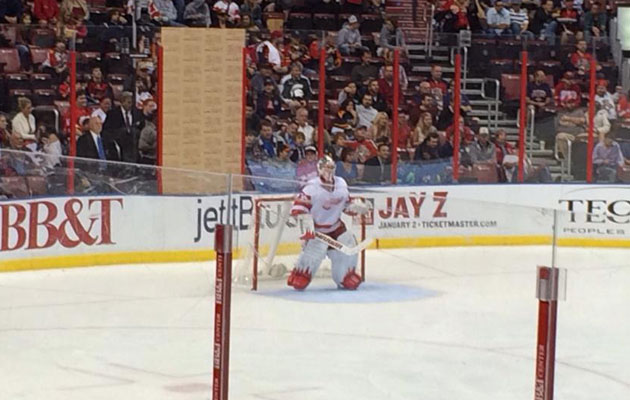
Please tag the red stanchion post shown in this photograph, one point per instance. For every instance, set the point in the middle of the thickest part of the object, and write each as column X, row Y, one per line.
column 395, row 102
column 244, row 85
column 223, row 297
column 160, row 117
column 522, row 122
column 456, row 114
column 73, row 120
column 547, row 293
column 321, row 100
column 591, row 121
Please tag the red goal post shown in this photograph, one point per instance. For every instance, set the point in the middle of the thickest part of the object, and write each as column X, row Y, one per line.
column 259, row 204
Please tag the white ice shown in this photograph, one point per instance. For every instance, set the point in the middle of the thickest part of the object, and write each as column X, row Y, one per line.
column 465, row 331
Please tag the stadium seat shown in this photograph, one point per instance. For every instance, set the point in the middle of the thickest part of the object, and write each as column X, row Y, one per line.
column 501, row 66
column 551, row 67
column 13, row 97
column 511, row 84
column 623, row 173
column 325, row 22
column 9, row 32
column 531, row 66
column 36, row 185
column 371, row 23
column 348, row 63
column 114, row 63
column 333, row 106
column 300, row 21
column 337, row 82
column 17, row 81
column 41, row 81
column 9, row 61
column 48, row 115
column 86, row 60
column 510, row 49
column 38, row 55
column 43, row 37
column 44, row 97
column 485, row 172
column 538, row 50
column 481, row 52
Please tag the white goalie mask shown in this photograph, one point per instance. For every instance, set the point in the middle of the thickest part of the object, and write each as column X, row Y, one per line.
column 326, row 169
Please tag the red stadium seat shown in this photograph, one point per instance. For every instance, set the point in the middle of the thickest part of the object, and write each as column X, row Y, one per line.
column 44, row 97
column 485, row 172
column 38, row 54
column 17, row 81
column 41, row 81
column 14, row 186
column 43, row 37
column 511, row 85
column 36, row 185
column 10, row 61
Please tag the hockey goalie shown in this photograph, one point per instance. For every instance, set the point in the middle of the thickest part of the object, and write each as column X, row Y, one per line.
column 320, row 205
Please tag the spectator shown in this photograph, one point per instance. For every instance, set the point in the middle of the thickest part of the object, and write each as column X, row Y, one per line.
column 422, row 129
column 380, row 131
column 337, row 145
column 438, row 85
column 248, row 24
column 267, row 51
column 390, row 39
column 284, row 156
column 423, row 88
column 114, row 30
column 581, row 59
column 301, row 118
column 365, row 147
column 197, row 13
column 464, row 131
column 365, row 111
column 540, row 98
column 50, row 146
column 97, row 88
column 72, row 13
column 252, row 8
column 296, row 88
column 257, row 83
column 498, row 20
column 228, row 8
column 544, row 23
column 349, row 37
column 267, row 142
column 347, row 117
column 286, row 133
column 607, row 157
column 46, row 11
column 347, row 167
column 269, row 100
column 502, row 146
column 82, row 111
column 570, row 21
column 595, row 22
column 147, row 140
column 10, row 11
column 365, row 71
column 378, row 168
column 163, row 13
column 453, row 15
column 349, row 92
column 94, row 146
column 5, row 135
column 623, row 111
column 519, row 21
column 605, row 101
column 24, row 123
column 430, row 149
column 103, row 108
column 403, row 81
column 121, row 127
column 386, row 87
column 56, row 62
column 483, row 150
column 299, row 149
column 446, row 117
column 373, row 89
column 404, row 135
column 427, row 105
column 568, row 93
column 307, row 167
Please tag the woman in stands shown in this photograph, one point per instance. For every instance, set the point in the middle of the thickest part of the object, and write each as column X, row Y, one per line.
column 24, row 123
column 347, row 167
column 5, row 136
column 423, row 128
column 380, row 131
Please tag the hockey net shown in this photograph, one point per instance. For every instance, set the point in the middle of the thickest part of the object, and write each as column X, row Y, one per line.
column 271, row 247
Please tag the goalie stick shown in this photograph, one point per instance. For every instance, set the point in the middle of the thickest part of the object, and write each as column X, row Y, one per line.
column 338, row 245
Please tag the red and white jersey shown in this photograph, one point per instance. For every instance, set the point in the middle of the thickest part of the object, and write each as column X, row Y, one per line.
column 324, row 205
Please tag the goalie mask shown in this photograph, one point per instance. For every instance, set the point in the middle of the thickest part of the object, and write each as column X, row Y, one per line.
column 326, row 169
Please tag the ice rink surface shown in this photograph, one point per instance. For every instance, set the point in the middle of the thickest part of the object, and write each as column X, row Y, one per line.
column 443, row 323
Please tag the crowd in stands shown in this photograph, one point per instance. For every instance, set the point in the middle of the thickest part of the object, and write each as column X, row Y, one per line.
column 116, row 96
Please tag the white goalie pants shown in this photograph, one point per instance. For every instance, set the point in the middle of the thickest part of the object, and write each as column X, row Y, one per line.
column 314, row 252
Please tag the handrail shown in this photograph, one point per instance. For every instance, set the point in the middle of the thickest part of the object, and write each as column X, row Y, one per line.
column 530, row 131
column 497, row 92
column 428, row 42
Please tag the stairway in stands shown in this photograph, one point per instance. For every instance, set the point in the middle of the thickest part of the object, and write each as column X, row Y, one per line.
column 482, row 100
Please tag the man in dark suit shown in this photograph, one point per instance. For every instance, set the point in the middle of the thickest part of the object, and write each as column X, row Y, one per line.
column 378, row 168
column 122, row 127
column 92, row 145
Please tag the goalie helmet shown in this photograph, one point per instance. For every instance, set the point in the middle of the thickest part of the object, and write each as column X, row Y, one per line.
column 326, row 168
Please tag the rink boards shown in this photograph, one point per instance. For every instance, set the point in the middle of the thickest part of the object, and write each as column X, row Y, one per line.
column 64, row 232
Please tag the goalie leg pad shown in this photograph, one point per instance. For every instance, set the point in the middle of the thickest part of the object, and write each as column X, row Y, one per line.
column 351, row 281
column 342, row 263
column 309, row 260
column 299, row 279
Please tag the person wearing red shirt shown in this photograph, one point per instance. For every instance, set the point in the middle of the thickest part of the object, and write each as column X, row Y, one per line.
column 439, row 87
column 97, row 88
column 82, row 111
column 386, row 86
column 365, row 147
column 46, row 11
column 464, row 131
column 567, row 92
column 581, row 60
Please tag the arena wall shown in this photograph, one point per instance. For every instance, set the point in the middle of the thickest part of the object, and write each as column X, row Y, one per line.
column 64, row 232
